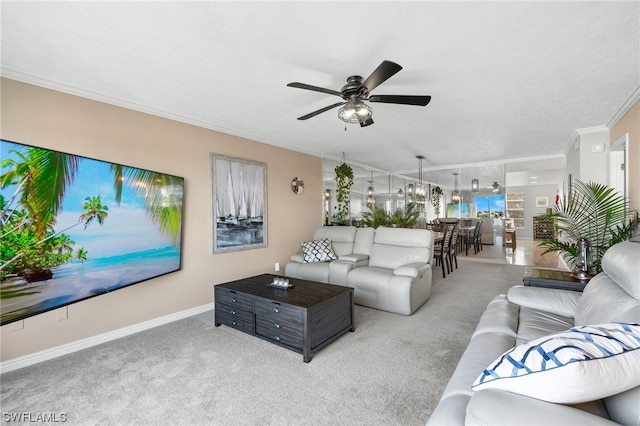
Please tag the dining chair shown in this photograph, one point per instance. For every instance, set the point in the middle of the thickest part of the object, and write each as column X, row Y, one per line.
column 440, row 252
column 475, row 240
column 452, row 253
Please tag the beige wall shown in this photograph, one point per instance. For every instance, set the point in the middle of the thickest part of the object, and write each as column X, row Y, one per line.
column 630, row 123
column 50, row 119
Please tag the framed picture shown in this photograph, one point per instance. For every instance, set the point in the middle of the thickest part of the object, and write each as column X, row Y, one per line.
column 239, row 204
column 74, row 228
column 542, row 201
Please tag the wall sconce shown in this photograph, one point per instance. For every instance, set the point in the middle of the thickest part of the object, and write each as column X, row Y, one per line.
column 327, row 194
column 475, row 185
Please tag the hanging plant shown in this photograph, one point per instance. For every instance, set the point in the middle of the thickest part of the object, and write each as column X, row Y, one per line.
column 344, row 179
column 436, row 194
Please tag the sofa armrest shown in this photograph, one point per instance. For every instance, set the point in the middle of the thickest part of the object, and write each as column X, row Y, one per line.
column 553, row 300
column 354, row 257
column 298, row 257
column 498, row 407
column 339, row 269
column 412, row 270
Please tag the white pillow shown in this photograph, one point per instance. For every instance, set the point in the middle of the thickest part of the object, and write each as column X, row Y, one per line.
column 318, row 251
column 581, row 364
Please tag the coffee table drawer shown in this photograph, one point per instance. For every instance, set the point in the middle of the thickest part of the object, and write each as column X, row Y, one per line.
column 278, row 312
column 281, row 333
column 233, row 298
column 236, row 318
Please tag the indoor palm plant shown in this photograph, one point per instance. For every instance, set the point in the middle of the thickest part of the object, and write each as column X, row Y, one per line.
column 595, row 212
column 406, row 217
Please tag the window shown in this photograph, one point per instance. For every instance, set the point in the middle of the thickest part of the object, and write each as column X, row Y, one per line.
column 490, row 207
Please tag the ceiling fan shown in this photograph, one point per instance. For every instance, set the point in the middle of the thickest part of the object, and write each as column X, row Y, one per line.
column 356, row 91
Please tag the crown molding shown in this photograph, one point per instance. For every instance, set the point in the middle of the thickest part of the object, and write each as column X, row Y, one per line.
column 74, row 91
column 626, row 106
column 589, row 130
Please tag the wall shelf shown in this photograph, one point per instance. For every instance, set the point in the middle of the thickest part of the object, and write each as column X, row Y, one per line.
column 515, row 209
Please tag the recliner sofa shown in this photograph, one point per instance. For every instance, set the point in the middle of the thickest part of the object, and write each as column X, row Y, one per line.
column 351, row 246
column 535, row 387
column 389, row 268
column 398, row 276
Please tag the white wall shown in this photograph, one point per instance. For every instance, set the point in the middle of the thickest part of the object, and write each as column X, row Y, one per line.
column 587, row 157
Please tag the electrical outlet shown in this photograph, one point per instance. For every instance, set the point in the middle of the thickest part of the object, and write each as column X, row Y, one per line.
column 277, row 266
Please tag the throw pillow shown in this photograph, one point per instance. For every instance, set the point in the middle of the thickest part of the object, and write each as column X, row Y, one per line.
column 581, row 364
column 318, row 251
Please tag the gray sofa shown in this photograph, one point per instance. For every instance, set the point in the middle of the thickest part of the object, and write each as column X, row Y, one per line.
column 389, row 268
column 398, row 276
column 525, row 314
column 350, row 244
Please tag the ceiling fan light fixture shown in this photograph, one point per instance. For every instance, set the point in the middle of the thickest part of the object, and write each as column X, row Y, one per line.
column 356, row 111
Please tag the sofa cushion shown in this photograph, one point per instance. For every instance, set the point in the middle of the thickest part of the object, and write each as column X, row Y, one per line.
column 342, row 237
column 394, row 247
column 604, row 301
column 534, row 324
column 578, row 365
column 318, row 251
column 494, row 407
column 620, row 262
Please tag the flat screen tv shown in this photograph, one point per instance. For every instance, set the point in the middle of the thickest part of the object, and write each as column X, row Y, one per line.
column 73, row 228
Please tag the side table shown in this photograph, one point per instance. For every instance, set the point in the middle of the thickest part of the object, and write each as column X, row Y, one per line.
column 552, row 278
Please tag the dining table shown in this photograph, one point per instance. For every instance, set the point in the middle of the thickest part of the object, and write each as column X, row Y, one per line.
column 466, row 233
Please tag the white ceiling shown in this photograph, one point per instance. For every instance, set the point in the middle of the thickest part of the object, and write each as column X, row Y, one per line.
column 508, row 80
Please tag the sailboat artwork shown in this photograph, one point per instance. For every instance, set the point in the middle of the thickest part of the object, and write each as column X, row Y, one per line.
column 239, row 204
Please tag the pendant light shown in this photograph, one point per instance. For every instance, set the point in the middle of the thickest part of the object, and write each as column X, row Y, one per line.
column 420, row 191
column 475, row 185
column 371, row 200
column 455, row 195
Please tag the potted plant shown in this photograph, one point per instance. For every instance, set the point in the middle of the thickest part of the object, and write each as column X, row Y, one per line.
column 595, row 212
column 436, row 194
column 344, row 180
column 375, row 218
column 406, row 217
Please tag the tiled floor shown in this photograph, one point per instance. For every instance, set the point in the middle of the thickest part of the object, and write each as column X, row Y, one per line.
column 526, row 253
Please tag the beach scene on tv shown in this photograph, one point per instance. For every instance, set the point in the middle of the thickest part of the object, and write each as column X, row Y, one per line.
column 74, row 228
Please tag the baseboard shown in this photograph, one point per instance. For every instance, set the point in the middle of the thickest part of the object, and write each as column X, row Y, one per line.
column 31, row 359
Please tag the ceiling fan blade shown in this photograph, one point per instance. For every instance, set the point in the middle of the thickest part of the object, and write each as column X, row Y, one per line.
column 320, row 111
column 385, row 70
column 314, row 88
column 401, row 99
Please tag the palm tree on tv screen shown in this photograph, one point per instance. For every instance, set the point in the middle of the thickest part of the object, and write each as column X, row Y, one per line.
column 42, row 178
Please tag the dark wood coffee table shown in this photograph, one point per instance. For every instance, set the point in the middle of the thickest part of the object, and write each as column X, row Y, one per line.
column 304, row 318
column 552, row 278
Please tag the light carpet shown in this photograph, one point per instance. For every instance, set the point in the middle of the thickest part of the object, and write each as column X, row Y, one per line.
column 390, row 371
